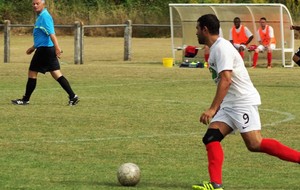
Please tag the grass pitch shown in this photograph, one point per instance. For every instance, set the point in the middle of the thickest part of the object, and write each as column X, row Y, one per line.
column 134, row 112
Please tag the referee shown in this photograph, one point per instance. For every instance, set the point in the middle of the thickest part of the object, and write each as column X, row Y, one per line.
column 45, row 58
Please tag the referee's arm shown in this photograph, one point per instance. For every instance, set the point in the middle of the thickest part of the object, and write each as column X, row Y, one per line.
column 55, row 42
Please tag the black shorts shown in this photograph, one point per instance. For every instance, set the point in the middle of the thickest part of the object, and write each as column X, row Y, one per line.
column 44, row 60
column 298, row 52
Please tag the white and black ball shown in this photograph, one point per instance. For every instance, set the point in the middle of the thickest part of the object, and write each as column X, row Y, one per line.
column 129, row 174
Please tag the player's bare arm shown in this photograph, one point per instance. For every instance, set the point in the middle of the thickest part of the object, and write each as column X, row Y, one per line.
column 295, row 27
column 249, row 40
column 222, row 89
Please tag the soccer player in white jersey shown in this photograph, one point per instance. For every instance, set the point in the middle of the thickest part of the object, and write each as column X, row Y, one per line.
column 234, row 107
column 206, row 48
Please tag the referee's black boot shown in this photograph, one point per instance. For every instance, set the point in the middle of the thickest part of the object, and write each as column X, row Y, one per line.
column 20, row 102
column 73, row 101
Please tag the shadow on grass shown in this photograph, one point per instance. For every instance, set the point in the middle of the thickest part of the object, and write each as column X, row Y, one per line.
column 111, row 185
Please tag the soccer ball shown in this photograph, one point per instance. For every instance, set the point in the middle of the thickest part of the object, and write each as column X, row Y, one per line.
column 129, row 174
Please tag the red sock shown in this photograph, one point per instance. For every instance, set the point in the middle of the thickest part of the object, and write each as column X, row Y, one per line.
column 206, row 56
column 269, row 58
column 255, row 58
column 215, row 157
column 242, row 54
column 275, row 148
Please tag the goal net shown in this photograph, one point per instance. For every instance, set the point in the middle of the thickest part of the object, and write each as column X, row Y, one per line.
column 183, row 21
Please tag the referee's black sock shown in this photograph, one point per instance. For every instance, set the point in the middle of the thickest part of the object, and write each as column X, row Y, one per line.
column 66, row 86
column 30, row 86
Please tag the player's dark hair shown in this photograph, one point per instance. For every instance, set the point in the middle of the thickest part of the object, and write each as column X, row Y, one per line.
column 263, row 18
column 237, row 18
column 211, row 22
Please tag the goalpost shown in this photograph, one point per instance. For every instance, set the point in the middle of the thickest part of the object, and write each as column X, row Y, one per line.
column 183, row 20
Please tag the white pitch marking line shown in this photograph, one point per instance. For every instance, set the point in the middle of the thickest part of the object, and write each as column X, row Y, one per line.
column 288, row 115
column 103, row 139
column 120, row 84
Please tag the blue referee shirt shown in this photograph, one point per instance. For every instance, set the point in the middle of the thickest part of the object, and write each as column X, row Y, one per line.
column 43, row 27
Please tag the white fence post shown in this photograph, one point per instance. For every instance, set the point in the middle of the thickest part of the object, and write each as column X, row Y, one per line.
column 81, row 42
column 7, row 41
column 77, row 43
column 127, row 40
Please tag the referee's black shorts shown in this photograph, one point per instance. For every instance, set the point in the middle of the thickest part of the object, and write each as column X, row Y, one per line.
column 44, row 60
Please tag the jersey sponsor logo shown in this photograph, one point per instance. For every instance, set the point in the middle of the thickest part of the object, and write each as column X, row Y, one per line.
column 214, row 74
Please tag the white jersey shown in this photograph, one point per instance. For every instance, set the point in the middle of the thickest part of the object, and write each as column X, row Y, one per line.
column 221, row 32
column 223, row 56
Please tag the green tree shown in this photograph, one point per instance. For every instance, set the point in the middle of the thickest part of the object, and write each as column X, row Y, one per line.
column 112, row 11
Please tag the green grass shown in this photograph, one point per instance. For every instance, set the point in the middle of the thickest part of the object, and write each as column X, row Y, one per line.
column 135, row 112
